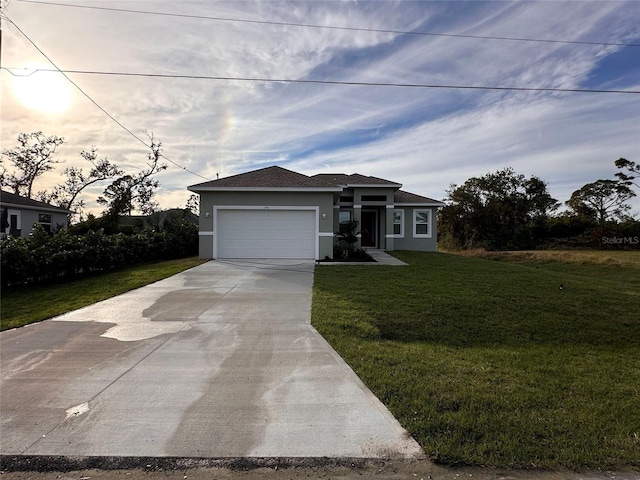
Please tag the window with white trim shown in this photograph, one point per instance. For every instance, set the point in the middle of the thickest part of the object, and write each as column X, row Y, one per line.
column 398, row 223
column 44, row 219
column 422, row 223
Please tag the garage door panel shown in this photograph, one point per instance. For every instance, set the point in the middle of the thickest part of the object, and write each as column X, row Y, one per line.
column 266, row 233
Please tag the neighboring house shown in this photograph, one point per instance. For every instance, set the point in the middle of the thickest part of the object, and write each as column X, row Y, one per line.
column 158, row 219
column 20, row 214
column 277, row 213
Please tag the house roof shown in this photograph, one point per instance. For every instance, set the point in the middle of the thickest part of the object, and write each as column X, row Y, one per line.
column 405, row 198
column 353, row 180
column 265, row 178
column 12, row 200
column 278, row 178
column 158, row 218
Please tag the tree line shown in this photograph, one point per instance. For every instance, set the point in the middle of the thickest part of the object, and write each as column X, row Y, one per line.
column 505, row 210
column 502, row 210
column 91, row 243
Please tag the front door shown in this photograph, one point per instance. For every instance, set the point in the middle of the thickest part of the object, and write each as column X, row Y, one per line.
column 369, row 228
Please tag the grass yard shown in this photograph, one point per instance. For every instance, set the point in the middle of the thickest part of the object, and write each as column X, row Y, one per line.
column 33, row 304
column 490, row 362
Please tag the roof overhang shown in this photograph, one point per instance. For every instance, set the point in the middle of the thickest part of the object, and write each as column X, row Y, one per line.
column 18, row 206
column 264, row 189
column 373, row 185
column 429, row 204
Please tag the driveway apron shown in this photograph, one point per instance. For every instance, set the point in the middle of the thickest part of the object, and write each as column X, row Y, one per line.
column 218, row 361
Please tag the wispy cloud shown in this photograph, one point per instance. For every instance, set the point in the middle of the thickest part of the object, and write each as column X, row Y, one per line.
column 423, row 138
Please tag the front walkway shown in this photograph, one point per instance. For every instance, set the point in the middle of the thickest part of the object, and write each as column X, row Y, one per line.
column 383, row 258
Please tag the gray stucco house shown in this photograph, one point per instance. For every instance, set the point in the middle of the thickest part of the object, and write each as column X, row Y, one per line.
column 20, row 214
column 277, row 213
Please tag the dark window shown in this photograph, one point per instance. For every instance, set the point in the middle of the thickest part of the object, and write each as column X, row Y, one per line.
column 345, row 216
column 374, row 198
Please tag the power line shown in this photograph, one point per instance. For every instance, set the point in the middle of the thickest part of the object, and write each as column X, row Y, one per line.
column 332, row 27
column 325, row 82
column 57, row 69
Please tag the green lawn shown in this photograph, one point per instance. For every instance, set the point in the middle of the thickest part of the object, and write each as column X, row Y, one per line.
column 33, row 304
column 491, row 363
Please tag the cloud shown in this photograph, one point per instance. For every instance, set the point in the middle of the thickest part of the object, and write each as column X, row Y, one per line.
column 423, row 138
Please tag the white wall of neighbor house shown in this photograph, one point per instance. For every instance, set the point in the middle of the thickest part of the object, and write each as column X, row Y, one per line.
column 22, row 220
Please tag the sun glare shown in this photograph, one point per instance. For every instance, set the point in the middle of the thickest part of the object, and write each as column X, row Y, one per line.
column 47, row 92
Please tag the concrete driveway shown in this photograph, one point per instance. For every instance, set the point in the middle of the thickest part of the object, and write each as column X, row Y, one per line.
column 219, row 361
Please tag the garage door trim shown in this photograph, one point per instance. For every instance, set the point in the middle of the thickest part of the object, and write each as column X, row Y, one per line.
column 312, row 208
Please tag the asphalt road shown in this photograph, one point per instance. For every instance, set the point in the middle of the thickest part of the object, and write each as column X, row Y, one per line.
column 219, row 361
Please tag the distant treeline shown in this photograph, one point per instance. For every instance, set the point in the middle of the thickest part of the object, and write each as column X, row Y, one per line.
column 506, row 211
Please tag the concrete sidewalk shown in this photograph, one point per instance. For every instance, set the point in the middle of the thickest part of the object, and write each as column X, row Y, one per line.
column 383, row 258
column 219, row 361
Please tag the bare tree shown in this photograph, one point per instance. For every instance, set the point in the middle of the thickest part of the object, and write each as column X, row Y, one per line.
column 33, row 157
column 135, row 192
column 67, row 194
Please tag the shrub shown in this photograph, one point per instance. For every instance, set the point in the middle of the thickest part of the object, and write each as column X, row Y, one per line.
column 45, row 257
column 346, row 239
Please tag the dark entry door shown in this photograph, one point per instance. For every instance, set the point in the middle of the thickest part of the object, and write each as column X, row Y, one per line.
column 369, row 228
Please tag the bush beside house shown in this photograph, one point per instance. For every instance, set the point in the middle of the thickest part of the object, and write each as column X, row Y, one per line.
column 44, row 257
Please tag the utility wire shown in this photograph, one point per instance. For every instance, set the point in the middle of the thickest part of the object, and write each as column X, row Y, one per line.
column 325, row 82
column 64, row 73
column 331, row 27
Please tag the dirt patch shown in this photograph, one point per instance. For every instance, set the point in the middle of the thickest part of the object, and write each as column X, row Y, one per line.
column 618, row 258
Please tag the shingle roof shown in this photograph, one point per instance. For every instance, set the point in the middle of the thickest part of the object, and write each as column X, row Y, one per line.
column 330, row 179
column 265, row 177
column 342, row 179
column 7, row 198
column 401, row 196
column 278, row 177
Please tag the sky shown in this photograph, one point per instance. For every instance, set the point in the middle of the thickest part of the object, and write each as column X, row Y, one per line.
column 424, row 138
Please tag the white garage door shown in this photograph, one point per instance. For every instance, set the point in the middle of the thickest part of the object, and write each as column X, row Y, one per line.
column 266, row 233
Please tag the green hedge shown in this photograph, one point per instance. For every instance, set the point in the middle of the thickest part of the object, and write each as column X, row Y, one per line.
column 43, row 257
